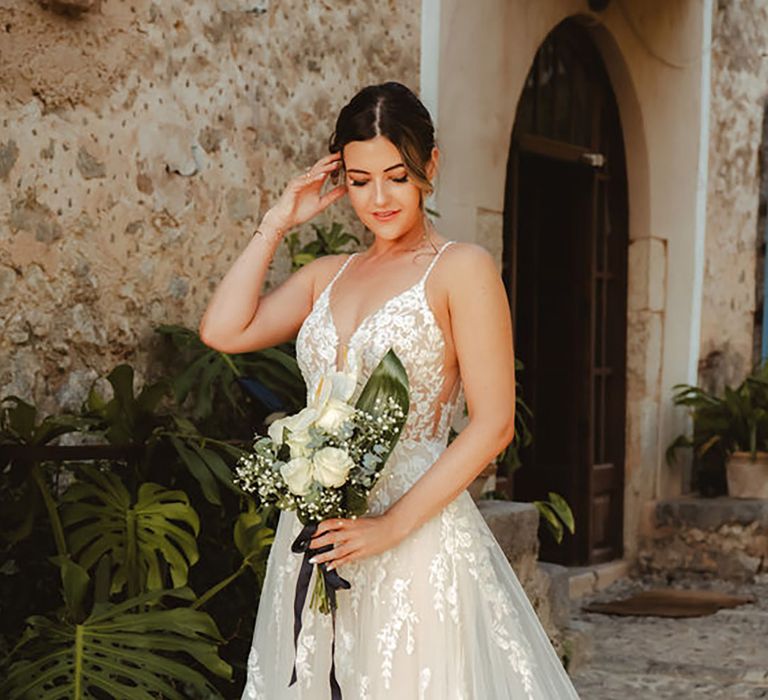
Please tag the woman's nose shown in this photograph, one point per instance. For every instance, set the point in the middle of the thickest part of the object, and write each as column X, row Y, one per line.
column 380, row 194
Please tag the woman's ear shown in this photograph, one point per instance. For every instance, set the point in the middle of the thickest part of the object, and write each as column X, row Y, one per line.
column 432, row 165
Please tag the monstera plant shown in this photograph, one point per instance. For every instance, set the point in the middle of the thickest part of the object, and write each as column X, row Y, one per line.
column 127, row 534
column 132, row 649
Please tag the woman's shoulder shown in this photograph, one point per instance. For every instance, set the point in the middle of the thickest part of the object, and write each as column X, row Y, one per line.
column 322, row 269
column 465, row 256
column 467, row 267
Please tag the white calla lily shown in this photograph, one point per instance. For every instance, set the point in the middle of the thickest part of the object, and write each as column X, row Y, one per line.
column 296, row 423
column 332, row 392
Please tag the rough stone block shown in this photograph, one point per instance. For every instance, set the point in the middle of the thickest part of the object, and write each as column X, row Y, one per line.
column 724, row 537
column 515, row 525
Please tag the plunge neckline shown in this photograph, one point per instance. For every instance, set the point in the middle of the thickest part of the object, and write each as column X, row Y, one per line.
column 375, row 312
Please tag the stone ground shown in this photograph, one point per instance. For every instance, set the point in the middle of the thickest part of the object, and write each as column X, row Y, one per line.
column 723, row 656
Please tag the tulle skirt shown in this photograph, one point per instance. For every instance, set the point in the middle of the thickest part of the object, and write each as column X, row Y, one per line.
column 441, row 616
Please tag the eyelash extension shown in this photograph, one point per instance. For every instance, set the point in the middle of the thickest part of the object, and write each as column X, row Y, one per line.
column 357, row 183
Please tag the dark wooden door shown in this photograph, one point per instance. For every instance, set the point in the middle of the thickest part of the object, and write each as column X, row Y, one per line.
column 565, row 269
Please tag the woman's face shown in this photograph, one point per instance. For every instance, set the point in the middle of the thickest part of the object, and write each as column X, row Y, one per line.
column 378, row 183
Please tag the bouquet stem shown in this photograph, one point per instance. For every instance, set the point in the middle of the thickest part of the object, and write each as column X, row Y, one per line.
column 319, row 600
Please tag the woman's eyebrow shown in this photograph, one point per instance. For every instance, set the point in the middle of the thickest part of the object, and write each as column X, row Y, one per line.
column 365, row 172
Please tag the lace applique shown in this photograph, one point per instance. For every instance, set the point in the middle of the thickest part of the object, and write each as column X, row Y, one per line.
column 469, row 546
column 424, row 677
column 403, row 614
column 254, row 688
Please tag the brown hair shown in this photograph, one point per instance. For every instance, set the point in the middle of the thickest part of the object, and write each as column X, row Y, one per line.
column 392, row 110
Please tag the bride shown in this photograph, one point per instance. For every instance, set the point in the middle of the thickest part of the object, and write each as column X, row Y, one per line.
column 435, row 611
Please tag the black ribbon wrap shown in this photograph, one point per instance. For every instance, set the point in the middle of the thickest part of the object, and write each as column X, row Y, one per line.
column 333, row 582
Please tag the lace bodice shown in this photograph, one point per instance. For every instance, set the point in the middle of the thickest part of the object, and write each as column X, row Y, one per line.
column 406, row 323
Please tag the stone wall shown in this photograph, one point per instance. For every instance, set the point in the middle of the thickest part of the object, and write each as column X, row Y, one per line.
column 720, row 537
column 739, row 91
column 140, row 142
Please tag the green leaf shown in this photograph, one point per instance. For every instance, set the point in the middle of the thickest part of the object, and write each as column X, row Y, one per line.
column 100, row 520
column 118, row 652
column 555, row 526
column 356, row 502
column 75, row 580
column 563, row 510
column 252, row 537
column 389, row 378
column 199, row 469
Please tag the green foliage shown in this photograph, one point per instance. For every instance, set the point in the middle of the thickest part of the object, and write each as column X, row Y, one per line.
column 19, row 426
column 556, row 513
column 126, row 419
column 388, row 378
column 101, row 519
column 118, row 650
column 327, row 241
column 138, row 535
column 252, row 539
column 208, row 378
column 721, row 425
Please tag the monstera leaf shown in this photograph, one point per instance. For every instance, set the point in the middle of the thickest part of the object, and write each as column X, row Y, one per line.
column 100, row 519
column 118, row 651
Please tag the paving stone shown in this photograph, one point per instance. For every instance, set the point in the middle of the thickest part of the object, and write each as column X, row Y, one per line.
column 720, row 656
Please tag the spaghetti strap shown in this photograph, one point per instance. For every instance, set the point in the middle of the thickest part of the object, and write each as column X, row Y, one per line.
column 423, row 279
column 328, row 286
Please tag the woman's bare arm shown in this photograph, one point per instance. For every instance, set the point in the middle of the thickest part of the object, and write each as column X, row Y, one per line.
column 482, row 331
column 238, row 319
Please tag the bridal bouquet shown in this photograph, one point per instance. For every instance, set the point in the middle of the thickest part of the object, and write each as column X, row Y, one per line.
column 323, row 461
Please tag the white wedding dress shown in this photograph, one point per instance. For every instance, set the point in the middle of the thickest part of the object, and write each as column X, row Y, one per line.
column 442, row 615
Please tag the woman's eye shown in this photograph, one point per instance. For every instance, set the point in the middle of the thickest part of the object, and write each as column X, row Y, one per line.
column 360, row 183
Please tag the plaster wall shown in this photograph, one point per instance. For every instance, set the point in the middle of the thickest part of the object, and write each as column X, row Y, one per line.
column 653, row 53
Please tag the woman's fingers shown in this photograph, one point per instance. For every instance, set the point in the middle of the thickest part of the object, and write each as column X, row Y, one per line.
column 303, row 181
column 343, row 550
column 332, row 195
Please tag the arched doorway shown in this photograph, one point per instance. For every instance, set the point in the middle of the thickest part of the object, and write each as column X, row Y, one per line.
column 565, row 268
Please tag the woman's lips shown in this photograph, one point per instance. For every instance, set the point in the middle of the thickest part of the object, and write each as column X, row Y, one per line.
column 388, row 216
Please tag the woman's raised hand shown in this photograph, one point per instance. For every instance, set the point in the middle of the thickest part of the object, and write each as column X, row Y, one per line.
column 301, row 199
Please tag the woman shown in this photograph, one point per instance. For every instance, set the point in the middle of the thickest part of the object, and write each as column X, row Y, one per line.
column 434, row 611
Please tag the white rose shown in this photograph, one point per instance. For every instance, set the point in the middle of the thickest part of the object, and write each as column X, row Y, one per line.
column 297, row 423
column 334, row 413
column 298, row 475
column 331, row 466
column 298, row 442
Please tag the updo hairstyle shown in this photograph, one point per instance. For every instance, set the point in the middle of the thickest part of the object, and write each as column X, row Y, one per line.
column 391, row 110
